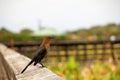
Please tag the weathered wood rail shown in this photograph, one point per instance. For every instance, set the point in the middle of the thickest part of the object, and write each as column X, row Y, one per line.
column 82, row 51
column 6, row 73
column 12, row 64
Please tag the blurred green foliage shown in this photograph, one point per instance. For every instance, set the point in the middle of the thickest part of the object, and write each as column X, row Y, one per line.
column 98, row 31
column 69, row 70
column 80, row 34
column 72, row 70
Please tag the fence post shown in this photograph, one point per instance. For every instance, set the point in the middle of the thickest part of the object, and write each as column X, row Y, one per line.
column 58, row 54
column 85, row 53
column 104, row 48
column 77, row 54
column 95, row 51
column 112, row 52
column 66, row 52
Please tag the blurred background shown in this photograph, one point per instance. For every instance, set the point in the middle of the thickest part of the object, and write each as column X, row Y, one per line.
column 87, row 35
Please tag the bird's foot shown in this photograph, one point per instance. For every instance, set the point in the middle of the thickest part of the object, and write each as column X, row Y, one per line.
column 42, row 65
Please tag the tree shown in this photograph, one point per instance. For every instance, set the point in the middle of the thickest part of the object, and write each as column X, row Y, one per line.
column 3, row 30
column 26, row 31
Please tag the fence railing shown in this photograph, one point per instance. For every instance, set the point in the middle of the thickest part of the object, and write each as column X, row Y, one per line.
column 82, row 51
column 6, row 71
column 12, row 63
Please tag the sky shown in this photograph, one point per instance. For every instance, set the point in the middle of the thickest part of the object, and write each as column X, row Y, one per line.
column 62, row 15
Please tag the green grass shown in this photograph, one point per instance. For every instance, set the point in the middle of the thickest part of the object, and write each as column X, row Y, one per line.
column 97, row 71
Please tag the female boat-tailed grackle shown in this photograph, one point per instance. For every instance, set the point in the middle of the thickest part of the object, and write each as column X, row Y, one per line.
column 41, row 52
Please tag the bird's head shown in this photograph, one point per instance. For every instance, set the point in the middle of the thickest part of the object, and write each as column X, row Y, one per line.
column 47, row 39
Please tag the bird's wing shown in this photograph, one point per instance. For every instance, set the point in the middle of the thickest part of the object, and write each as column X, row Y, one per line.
column 40, row 53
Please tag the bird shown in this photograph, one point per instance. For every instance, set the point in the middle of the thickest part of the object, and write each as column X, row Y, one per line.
column 40, row 53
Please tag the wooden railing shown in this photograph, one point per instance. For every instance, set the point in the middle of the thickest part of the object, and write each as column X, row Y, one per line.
column 12, row 63
column 6, row 72
column 82, row 51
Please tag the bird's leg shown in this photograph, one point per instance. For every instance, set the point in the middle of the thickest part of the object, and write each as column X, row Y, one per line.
column 35, row 63
column 42, row 64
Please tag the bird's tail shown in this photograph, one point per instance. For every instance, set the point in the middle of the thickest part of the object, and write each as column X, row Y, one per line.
column 27, row 66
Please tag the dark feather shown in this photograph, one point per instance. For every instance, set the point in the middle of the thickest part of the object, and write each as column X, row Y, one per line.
column 39, row 56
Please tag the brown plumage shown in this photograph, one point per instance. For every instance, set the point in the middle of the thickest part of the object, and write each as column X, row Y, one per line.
column 41, row 52
column 46, row 43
